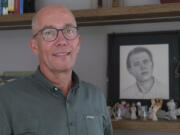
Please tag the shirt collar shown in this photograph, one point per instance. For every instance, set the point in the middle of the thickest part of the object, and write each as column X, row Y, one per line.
column 42, row 80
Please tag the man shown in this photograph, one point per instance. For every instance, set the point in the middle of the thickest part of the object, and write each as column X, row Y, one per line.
column 140, row 66
column 53, row 101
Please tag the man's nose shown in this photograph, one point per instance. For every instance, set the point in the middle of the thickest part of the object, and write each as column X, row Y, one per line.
column 61, row 39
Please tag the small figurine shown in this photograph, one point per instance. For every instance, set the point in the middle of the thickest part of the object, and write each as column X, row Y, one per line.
column 139, row 108
column 110, row 111
column 172, row 110
column 156, row 105
column 117, row 111
column 123, row 108
column 149, row 116
column 133, row 111
column 144, row 112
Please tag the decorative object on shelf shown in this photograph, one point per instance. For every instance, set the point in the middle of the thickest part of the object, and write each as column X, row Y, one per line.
column 139, row 108
column 142, row 111
column 156, row 105
column 169, row 1
column 117, row 111
column 125, row 108
column 172, row 110
column 133, row 111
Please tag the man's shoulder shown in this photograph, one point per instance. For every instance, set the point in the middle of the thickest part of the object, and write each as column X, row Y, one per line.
column 89, row 87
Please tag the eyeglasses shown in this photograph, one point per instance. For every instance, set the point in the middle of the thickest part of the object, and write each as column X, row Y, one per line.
column 50, row 34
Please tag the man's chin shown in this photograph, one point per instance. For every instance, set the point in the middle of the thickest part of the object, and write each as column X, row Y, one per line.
column 64, row 69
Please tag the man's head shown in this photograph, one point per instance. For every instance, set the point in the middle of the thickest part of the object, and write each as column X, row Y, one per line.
column 140, row 63
column 55, row 39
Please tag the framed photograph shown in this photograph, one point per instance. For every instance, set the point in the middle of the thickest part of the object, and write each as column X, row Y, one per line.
column 143, row 66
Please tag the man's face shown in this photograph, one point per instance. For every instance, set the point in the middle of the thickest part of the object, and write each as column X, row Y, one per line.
column 141, row 66
column 60, row 54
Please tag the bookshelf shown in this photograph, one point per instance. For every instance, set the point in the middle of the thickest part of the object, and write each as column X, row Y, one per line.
column 148, row 125
column 105, row 16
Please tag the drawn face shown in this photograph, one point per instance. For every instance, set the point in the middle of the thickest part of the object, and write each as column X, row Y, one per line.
column 141, row 66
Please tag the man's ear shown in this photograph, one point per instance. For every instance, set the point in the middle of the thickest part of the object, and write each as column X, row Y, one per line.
column 34, row 46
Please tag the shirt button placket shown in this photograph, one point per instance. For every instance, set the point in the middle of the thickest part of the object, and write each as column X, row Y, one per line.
column 70, row 122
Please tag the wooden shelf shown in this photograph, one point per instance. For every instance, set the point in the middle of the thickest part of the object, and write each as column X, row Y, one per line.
column 106, row 16
column 127, row 15
column 161, row 125
column 16, row 21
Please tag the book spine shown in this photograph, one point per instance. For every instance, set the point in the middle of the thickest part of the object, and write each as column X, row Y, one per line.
column 5, row 7
column 21, row 6
column 9, row 5
column 0, row 7
column 12, row 6
column 16, row 6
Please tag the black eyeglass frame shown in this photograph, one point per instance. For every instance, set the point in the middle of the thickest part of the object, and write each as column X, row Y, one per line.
column 41, row 30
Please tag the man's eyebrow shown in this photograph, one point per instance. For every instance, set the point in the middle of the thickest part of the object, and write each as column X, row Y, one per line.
column 69, row 25
column 49, row 26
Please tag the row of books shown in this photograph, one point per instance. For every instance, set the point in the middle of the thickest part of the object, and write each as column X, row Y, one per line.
column 16, row 6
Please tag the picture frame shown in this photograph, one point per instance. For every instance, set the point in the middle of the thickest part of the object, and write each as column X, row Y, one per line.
column 166, row 56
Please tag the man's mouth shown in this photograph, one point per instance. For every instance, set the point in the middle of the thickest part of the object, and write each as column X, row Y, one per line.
column 61, row 54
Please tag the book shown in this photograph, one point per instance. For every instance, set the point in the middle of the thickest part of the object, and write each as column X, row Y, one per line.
column 16, row 6
column 21, row 6
column 0, row 7
column 10, row 6
column 5, row 7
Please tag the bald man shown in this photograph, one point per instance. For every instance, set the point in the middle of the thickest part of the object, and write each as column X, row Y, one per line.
column 53, row 100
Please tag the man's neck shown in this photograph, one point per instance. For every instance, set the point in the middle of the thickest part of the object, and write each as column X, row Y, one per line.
column 62, row 80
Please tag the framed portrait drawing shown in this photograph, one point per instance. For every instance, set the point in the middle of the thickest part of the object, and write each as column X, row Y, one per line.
column 142, row 66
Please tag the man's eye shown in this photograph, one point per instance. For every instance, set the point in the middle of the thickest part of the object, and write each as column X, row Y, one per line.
column 48, row 32
column 69, row 31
